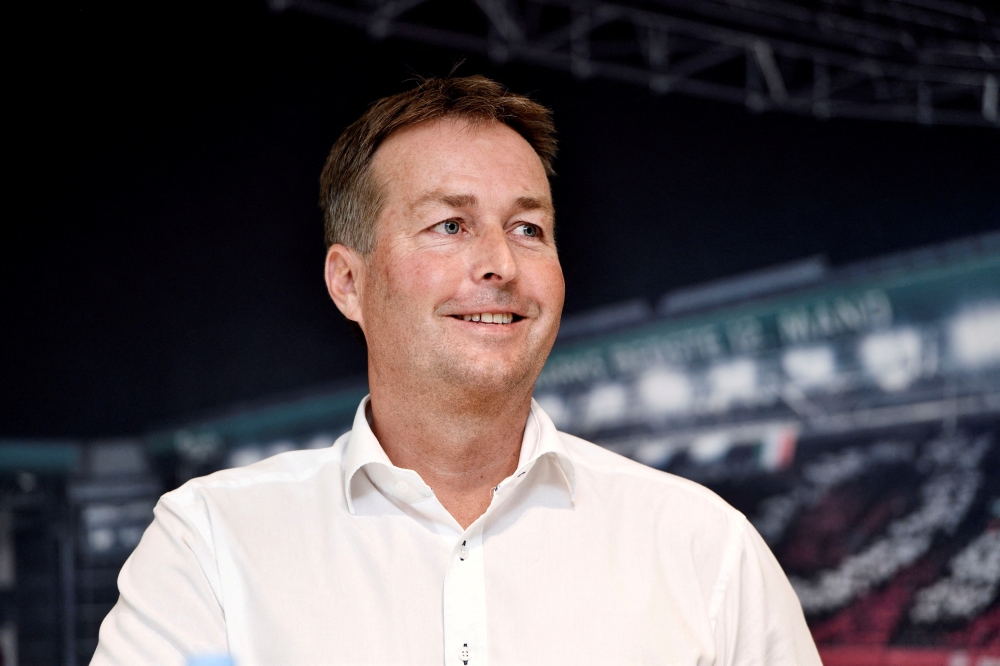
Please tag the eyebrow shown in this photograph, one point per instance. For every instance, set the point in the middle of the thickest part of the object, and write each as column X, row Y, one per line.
column 531, row 203
column 470, row 201
column 451, row 200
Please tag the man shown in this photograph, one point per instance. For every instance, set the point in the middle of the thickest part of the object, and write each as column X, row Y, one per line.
column 453, row 525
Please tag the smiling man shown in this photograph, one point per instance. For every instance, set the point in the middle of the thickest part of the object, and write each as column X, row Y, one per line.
column 454, row 524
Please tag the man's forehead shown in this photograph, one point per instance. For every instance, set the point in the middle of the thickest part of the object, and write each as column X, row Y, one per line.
column 457, row 125
column 441, row 140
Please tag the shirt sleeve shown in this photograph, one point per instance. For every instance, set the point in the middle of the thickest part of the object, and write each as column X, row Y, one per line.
column 759, row 619
column 169, row 605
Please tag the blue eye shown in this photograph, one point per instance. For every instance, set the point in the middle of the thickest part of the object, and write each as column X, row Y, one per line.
column 528, row 230
column 451, row 227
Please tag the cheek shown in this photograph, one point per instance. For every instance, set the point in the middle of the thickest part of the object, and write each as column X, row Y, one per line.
column 550, row 289
column 420, row 277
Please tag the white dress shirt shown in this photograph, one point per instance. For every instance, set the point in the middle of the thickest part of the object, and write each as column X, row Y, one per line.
column 335, row 556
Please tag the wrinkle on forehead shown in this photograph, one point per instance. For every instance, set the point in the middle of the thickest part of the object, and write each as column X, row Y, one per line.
column 469, row 201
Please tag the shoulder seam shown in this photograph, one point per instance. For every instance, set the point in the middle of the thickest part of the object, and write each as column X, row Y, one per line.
column 181, row 514
column 729, row 562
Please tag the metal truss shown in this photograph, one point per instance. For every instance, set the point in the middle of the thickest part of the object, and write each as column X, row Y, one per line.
column 925, row 61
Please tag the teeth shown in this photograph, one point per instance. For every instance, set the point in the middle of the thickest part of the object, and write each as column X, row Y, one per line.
column 491, row 317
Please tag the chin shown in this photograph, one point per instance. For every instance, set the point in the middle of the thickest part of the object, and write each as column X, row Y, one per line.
column 488, row 375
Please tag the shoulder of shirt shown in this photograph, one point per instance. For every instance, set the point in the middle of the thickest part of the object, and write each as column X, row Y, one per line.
column 289, row 467
column 602, row 461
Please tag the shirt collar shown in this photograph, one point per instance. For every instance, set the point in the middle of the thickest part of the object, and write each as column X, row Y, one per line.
column 542, row 439
column 363, row 451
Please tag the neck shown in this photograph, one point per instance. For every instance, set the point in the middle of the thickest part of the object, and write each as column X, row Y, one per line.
column 462, row 442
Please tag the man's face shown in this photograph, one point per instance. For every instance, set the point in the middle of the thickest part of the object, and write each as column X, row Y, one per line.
column 465, row 237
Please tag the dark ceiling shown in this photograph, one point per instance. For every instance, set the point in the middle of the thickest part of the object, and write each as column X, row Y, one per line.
column 164, row 249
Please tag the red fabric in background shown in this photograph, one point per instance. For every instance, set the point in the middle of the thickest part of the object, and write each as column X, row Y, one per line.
column 983, row 632
column 874, row 656
column 874, row 618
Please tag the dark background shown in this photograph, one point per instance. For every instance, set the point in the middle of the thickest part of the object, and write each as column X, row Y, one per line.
column 163, row 248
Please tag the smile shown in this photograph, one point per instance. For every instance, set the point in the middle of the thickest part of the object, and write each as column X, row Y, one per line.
column 490, row 317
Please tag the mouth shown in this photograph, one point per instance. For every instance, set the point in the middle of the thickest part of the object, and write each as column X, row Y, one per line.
column 501, row 318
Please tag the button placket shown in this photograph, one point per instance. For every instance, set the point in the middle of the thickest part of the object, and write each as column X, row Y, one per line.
column 465, row 589
column 465, row 602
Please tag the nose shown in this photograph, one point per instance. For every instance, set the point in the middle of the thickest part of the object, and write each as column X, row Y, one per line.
column 494, row 261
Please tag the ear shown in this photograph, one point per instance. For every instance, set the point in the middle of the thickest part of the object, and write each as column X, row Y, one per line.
column 345, row 279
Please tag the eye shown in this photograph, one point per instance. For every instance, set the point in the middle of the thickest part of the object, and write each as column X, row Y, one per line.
column 450, row 227
column 526, row 230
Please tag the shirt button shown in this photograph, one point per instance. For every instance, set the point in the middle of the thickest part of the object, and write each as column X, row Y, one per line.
column 463, row 552
column 402, row 487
